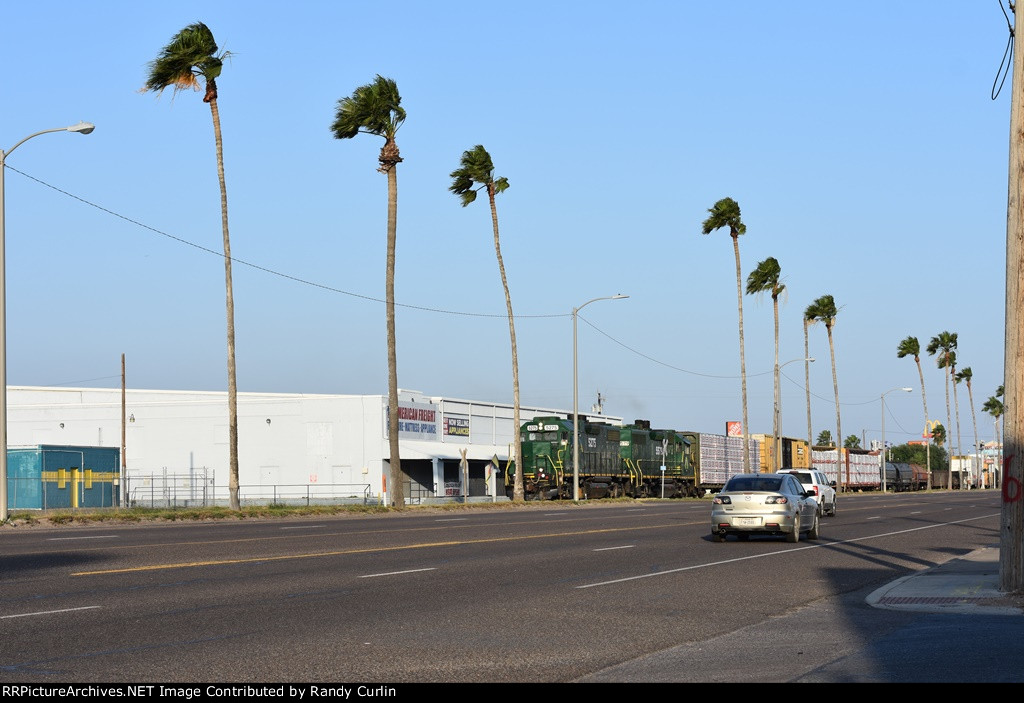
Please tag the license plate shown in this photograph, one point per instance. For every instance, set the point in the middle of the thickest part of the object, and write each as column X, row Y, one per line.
column 747, row 521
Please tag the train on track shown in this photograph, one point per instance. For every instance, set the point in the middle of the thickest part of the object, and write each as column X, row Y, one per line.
column 639, row 461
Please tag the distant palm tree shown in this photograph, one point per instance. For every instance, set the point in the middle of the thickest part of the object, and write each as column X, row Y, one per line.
column 376, row 108
column 726, row 213
column 943, row 344
column 824, row 310
column 965, row 375
column 911, row 347
column 765, row 279
column 475, row 172
column 824, row 439
column 190, row 58
column 852, row 442
column 939, row 433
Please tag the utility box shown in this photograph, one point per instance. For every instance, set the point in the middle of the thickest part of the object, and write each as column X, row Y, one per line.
column 50, row 476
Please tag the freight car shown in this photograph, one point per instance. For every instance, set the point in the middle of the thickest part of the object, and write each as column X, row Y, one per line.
column 860, row 471
column 624, row 461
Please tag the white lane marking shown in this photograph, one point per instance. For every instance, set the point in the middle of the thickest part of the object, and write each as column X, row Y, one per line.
column 450, row 519
column 395, row 573
column 916, row 512
column 635, row 510
column 783, row 552
column 608, row 549
column 873, row 517
column 57, row 539
column 303, row 527
column 551, row 514
column 50, row 612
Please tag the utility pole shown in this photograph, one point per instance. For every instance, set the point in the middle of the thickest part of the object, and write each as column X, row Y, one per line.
column 124, row 462
column 1011, row 533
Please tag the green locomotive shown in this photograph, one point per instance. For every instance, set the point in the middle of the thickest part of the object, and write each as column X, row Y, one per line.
column 614, row 461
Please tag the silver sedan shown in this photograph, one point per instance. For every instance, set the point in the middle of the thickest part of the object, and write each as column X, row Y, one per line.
column 774, row 504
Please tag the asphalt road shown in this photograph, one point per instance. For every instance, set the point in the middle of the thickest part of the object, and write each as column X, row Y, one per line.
column 554, row 593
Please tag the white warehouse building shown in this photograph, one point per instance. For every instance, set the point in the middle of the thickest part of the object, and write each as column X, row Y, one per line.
column 292, row 447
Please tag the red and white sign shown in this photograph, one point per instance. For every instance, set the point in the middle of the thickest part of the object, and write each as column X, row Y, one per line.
column 733, row 429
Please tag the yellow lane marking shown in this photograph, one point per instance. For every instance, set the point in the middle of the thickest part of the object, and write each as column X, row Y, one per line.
column 366, row 550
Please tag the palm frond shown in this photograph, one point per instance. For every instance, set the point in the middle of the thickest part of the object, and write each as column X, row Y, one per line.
column 765, row 278
column 190, row 55
column 909, row 347
column 374, row 108
column 725, row 213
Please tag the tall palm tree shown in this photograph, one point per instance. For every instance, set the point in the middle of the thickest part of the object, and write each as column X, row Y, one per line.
column 911, row 347
column 726, row 213
column 824, row 310
column 943, row 344
column 824, row 439
column 765, row 279
column 476, row 172
column 965, row 374
column 376, row 108
column 191, row 62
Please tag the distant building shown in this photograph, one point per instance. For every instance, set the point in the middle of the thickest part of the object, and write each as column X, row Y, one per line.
column 291, row 446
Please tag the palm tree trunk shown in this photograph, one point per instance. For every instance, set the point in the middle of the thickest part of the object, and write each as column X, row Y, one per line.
column 396, row 490
column 928, row 440
column 743, row 362
column 807, row 387
column 517, row 487
column 974, row 422
column 949, row 421
column 776, row 441
column 839, row 427
column 956, row 406
column 232, row 384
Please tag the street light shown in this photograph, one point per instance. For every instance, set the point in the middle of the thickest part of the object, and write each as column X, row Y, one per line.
column 777, row 441
column 905, row 389
column 576, row 397
column 81, row 128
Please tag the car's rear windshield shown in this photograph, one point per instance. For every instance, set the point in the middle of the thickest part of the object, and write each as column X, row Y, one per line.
column 803, row 476
column 753, row 483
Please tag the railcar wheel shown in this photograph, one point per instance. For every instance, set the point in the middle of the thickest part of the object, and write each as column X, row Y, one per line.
column 794, row 536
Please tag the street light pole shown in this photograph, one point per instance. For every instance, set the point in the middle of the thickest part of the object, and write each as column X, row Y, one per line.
column 81, row 128
column 576, row 397
column 906, row 390
column 777, row 440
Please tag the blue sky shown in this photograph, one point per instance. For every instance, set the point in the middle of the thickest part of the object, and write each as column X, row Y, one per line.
column 860, row 141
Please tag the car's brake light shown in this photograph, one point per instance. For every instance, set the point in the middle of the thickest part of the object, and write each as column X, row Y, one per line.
column 776, row 500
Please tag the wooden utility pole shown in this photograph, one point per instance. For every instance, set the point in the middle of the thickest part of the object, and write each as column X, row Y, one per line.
column 1011, row 534
column 124, row 464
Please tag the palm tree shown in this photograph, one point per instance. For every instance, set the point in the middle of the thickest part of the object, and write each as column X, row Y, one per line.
column 375, row 108
column 824, row 439
column 943, row 344
column 726, row 213
column 852, row 442
column 965, row 375
column 765, row 279
column 476, row 172
column 911, row 347
column 191, row 61
column 824, row 310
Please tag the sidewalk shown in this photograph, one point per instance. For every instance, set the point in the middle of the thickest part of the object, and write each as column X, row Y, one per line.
column 968, row 584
